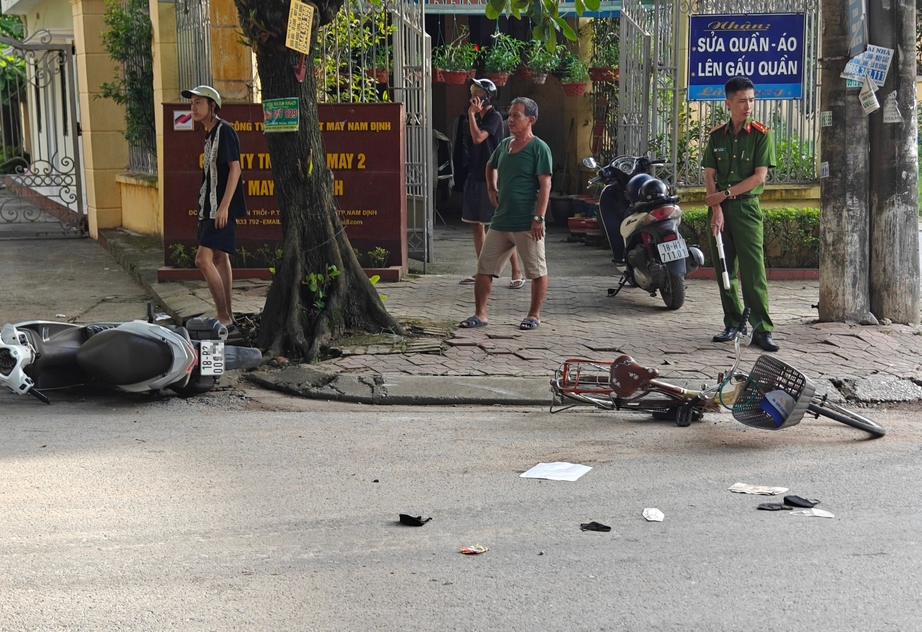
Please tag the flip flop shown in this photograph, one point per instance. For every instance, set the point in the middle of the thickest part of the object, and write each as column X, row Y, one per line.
column 528, row 323
column 467, row 281
column 471, row 323
column 516, row 284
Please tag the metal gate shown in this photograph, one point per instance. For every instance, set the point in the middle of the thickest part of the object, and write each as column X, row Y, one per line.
column 40, row 135
column 656, row 120
column 412, row 83
column 649, row 90
column 390, row 37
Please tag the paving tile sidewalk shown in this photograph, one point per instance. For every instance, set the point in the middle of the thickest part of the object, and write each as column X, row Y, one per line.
column 580, row 320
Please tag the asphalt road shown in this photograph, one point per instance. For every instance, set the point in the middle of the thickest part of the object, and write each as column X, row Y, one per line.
column 261, row 512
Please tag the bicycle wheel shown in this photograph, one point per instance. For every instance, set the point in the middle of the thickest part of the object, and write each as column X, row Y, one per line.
column 846, row 416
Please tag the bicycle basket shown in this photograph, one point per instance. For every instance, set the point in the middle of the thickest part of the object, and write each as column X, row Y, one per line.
column 771, row 374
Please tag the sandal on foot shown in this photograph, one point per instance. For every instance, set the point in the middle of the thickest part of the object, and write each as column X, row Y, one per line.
column 528, row 323
column 516, row 284
column 467, row 281
column 471, row 323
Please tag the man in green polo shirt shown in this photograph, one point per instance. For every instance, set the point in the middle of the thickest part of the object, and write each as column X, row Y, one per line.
column 738, row 156
column 518, row 177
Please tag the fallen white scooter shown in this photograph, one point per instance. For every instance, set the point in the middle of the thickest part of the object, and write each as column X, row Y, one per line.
column 137, row 357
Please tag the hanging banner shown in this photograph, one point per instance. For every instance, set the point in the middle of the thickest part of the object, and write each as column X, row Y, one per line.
column 768, row 48
column 857, row 27
column 281, row 115
column 300, row 22
column 873, row 64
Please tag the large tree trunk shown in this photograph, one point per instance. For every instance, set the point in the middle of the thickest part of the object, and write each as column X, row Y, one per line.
column 312, row 237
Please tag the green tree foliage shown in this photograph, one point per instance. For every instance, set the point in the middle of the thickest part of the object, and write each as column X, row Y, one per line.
column 544, row 14
column 128, row 41
column 12, row 67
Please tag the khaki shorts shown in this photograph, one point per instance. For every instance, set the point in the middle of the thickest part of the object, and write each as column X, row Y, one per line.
column 498, row 247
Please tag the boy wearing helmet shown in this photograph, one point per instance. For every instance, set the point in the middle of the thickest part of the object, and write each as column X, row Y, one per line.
column 486, row 126
column 738, row 156
column 220, row 198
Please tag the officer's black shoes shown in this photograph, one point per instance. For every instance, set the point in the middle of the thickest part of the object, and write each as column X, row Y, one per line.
column 764, row 339
column 726, row 335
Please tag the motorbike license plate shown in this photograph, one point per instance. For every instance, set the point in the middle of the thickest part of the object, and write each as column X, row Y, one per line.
column 211, row 357
column 672, row 250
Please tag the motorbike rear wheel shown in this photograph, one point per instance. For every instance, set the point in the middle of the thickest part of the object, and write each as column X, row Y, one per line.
column 673, row 292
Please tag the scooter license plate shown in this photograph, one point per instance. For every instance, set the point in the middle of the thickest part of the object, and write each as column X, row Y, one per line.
column 672, row 250
column 211, row 358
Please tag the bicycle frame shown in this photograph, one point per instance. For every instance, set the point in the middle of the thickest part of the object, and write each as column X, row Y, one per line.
column 624, row 384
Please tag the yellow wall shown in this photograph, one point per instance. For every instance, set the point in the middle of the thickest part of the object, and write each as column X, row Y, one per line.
column 52, row 15
column 140, row 199
column 232, row 63
column 105, row 151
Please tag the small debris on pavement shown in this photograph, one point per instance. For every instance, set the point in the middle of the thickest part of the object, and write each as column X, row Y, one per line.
column 557, row 471
column 413, row 521
column 816, row 513
column 594, row 526
column 652, row 514
column 475, row 549
column 797, row 501
column 763, row 490
column 773, row 507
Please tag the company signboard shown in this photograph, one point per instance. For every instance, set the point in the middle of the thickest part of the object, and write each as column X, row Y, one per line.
column 767, row 48
column 365, row 150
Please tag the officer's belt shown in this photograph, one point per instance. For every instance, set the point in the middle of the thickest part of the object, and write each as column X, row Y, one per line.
column 744, row 196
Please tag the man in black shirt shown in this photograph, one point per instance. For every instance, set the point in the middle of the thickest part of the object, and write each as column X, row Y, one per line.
column 486, row 125
column 220, row 200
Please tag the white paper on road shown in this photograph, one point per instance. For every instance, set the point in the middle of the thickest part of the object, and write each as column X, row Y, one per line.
column 818, row 513
column 652, row 514
column 558, row 471
column 762, row 490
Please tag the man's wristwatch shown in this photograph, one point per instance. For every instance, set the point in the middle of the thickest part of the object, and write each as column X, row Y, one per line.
column 539, row 218
column 727, row 192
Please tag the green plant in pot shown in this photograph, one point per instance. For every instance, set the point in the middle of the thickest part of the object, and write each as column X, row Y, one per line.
column 540, row 60
column 606, row 50
column 502, row 58
column 574, row 75
column 456, row 59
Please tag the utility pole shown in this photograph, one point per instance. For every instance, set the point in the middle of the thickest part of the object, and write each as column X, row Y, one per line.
column 894, row 167
column 845, row 213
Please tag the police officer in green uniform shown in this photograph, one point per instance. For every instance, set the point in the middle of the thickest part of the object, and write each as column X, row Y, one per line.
column 737, row 159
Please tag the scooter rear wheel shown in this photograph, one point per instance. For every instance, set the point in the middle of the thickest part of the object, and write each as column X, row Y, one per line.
column 674, row 294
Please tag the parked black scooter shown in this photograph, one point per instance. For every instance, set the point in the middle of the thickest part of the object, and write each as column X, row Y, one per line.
column 641, row 220
column 136, row 357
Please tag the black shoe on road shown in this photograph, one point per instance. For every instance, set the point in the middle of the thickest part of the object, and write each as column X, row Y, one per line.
column 764, row 339
column 726, row 335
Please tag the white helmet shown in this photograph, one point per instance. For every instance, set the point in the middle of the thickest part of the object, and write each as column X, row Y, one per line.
column 204, row 91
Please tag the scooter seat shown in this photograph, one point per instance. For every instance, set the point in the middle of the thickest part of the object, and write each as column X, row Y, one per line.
column 117, row 356
column 627, row 375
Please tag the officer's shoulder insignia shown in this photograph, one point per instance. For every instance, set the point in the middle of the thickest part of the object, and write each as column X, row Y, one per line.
column 759, row 126
column 718, row 128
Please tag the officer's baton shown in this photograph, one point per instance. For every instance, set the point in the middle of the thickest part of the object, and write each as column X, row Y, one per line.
column 725, row 276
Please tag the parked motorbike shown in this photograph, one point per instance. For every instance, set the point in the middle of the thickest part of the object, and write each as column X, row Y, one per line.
column 136, row 357
column 641, row 220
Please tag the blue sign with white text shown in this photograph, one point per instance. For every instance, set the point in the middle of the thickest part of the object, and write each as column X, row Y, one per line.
column 768, row 48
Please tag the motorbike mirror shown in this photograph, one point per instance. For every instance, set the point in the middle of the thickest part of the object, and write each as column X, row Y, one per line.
column 590, row 163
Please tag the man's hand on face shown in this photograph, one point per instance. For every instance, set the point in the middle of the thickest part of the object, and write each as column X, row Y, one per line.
column 476, row 106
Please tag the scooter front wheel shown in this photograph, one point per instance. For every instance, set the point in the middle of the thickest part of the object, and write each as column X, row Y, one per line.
column 673, row 292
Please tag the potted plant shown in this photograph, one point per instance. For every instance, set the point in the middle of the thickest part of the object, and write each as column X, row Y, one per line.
column 381, row 68
column 575, row 75
column 606, row 50
column 456, row 59
column 502, row 57
column 541, row 61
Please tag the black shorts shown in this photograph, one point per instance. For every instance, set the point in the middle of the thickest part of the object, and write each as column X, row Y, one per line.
column 224, row 239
